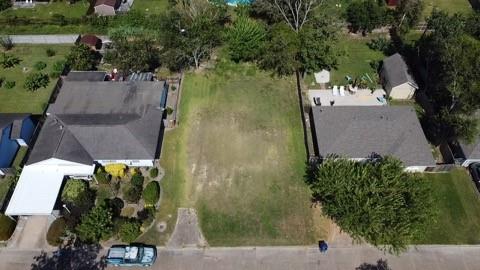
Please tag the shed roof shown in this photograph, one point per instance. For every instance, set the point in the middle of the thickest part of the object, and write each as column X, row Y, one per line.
column 359, row 131
column 396, row 72
column 111, row 3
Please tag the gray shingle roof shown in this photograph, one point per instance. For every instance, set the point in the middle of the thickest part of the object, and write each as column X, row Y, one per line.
column 102, row 121
column 359, row 131
column 395, row 72
column 92, row 76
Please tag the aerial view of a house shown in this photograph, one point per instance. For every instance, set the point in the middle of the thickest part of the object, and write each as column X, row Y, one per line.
column 90, row 123
column 358, row 132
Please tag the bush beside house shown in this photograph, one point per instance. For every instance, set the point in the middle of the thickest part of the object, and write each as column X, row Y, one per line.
column 151, row 194
column 7, row 227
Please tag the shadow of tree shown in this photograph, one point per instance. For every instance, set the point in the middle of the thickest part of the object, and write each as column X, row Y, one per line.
column 70, row 257
column 380, row 265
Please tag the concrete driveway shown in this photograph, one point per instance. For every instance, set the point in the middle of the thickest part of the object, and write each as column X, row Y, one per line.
column 44, row 39
column 30, row 233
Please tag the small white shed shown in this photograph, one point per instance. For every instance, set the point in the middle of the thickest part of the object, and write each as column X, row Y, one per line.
column 396, row 78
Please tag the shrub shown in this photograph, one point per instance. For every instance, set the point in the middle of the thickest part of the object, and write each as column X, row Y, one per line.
column 129, row 231
column 103, row 177
column 151, row 193
column 154, row 172
column 116, row 170
column 50, row 52
column 96, row 225
column 137, row 180
column 40, row 65
column 173, row 88
column 56, row 231
column 7, row 226
column 57, row 69
column 9, row 84
column 6, row 42
column 132, row 193
column 146, row 215
column 169, row 110
column 35, row 81
column 9, row 61
column 73, row 190
column 245, row 39
column 2, row 80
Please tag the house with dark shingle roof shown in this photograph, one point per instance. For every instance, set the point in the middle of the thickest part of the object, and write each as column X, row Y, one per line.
column 396, row 78
column 92, row 41
column 90, row 123
column 16, row 130
column 359, row 132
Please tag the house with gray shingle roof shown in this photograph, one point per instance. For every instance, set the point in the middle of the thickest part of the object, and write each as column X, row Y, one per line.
column 90, row 123
column 396, row 78
column 359, row 132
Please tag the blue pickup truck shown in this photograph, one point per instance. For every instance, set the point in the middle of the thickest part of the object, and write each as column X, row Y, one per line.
column 132, row 255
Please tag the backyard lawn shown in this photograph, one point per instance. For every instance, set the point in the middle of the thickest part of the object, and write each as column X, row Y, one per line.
column 150, row 6
column 238, row 159
column 18, row 99
column 45, row 11
column 356, row 59
column 459, row 209
column 450, row 6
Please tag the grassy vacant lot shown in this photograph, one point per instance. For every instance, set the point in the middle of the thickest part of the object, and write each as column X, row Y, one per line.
column 450, row 6
column 459, row 209
column 238, row 158
column 150, row 6
column 18, row 99
column 356, row 59
column 45, row 11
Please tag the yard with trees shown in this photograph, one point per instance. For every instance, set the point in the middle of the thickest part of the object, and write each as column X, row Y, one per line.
column 21, row 89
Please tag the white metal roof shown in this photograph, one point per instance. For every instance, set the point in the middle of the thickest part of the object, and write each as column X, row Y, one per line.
column 36, row 191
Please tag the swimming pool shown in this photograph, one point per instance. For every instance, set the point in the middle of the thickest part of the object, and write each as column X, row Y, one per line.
column 238, row 2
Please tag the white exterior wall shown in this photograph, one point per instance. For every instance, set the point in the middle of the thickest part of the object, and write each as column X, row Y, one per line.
column 130, row 163
column 104, row 10
column 415, row 168
column 403, row 91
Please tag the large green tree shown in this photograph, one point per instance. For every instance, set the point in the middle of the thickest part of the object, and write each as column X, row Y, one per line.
column 81, row 57
column 191, row 32
column 452, row 62
column 376, row 201
column 365, row 15
column 134, row 49
column 407, row 14
column 96, row 225
column 4, row 4
column 245, row 39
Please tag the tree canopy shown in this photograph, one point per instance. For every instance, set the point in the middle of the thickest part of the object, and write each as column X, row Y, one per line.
column 245, row 39
column 407, row 14
column 81, row 57
column 376, row 200
column 365, row 15
column 96, row 225
column 452, row 60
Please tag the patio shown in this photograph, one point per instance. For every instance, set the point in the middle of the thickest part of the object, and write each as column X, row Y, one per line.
column 362, row 97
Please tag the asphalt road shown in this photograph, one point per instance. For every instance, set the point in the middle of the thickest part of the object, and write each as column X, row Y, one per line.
column 278, row 258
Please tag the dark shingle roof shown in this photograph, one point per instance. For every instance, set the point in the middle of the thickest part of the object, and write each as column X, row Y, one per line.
column 359, row 131
column 102, row 121
column 7, row 119
column 395, row 71
column 90, row 76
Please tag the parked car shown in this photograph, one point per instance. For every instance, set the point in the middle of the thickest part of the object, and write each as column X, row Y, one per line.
column 475, row 172
column 131, row 255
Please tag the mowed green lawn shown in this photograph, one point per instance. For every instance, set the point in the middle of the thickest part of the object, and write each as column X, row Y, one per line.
column 238, row 159
column 356, row 59
column 458, row 207
column 150, row 6
column 18, row 99
column 45, row 11
column 450, row 6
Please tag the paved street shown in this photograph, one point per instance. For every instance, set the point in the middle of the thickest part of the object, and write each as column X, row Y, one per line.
column 283, row 258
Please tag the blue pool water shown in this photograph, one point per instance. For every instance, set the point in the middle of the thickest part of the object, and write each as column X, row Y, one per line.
column 238, row 2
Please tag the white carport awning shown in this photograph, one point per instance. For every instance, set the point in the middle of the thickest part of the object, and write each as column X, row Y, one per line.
column 36, row 191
